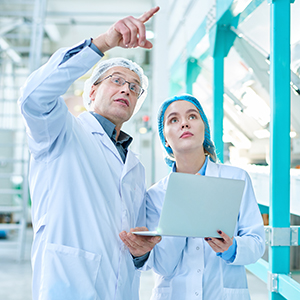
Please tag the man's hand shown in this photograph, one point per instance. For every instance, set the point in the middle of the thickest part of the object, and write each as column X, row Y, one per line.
column 139, row 245
column 220, row 244
column 129, row 32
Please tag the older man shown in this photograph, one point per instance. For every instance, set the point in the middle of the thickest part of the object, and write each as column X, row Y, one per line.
column 86, row 185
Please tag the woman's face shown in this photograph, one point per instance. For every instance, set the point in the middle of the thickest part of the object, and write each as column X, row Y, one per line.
column 183, row 127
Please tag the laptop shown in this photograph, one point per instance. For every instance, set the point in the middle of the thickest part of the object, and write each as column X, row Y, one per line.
column 198, row 206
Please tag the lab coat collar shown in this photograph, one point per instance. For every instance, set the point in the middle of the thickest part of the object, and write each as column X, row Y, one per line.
column 212, row 169
column 92, row 125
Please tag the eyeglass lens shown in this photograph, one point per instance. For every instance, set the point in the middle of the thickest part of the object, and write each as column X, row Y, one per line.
column 121, row 81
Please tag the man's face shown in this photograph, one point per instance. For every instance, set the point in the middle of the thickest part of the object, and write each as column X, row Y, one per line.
column 112, row 101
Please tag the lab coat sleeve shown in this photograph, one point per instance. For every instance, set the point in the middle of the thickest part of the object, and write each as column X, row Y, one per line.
column 250, row 237
column 167, row 254
column 44, row 110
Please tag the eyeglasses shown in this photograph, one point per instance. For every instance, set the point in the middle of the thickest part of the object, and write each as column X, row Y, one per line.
column 120, row 81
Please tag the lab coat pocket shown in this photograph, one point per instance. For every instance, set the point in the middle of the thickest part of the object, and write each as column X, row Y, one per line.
column 236, row 294
column 162, row 293
column 69, row 273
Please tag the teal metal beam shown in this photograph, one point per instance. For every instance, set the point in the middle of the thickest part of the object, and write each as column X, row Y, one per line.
column 259, row 269
column 263, row 209
column 251, row 7
column 279, row 256
column 288, row 287
column 224, row 7
column 192, row 72
column 221, row 40
column 196, row 38
column 218, row 101
column 175, row 88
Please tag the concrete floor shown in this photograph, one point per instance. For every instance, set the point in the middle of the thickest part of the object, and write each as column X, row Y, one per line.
column 15, row 277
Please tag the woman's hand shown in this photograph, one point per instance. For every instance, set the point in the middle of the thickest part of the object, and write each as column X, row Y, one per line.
column 220, row 244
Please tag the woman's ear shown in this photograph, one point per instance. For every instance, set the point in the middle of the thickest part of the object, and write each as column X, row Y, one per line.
column 167, row 144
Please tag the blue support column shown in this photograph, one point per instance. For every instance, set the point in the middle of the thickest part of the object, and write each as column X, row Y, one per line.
column 279, row 256
column 221, row 40
column 192, row 72
column 218, row 111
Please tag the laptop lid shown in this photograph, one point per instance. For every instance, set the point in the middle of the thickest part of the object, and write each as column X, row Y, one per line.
column 198, row 206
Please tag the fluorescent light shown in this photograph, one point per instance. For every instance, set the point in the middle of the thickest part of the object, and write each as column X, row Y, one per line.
column 149, row 34
column 53, row 32
column 293, row 134
column 10, row 52
column 262, row 133
column 233, row 135
column 239, row 6
column 256, row 107
column 3, row 44
column 202, row 46
column 143, row 130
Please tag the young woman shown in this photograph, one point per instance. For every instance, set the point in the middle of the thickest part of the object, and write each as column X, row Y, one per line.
column 197, row 268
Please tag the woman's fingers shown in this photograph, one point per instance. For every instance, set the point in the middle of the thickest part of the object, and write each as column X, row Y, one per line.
column 220, row 244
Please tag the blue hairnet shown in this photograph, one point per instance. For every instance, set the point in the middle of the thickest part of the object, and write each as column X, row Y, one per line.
column 208, row 145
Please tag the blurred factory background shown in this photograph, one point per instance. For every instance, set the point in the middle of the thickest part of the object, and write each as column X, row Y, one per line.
column 185, row 35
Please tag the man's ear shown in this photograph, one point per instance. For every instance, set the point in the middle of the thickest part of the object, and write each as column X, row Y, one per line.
column 92, row 93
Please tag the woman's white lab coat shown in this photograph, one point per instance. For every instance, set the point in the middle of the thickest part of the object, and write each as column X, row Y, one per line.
column 188, row 268
column 83, row 195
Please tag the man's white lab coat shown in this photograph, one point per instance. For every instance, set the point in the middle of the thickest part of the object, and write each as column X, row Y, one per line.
column 83, row 195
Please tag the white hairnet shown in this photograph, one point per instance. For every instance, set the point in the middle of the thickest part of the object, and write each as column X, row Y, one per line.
column 104, row 66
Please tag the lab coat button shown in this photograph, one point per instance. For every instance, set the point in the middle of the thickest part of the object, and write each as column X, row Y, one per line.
column 198, row 270
column 196, row 293
column 197, row 248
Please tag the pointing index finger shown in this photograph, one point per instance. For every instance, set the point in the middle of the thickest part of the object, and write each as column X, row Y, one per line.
column 148, row 14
